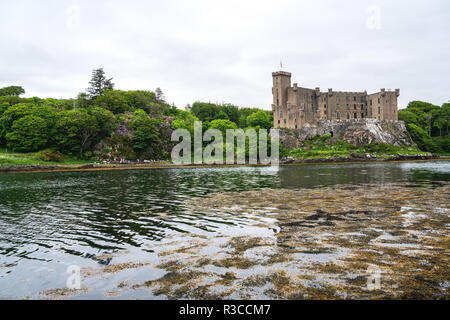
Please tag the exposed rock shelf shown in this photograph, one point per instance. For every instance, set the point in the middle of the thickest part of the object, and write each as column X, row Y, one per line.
column 358, row 132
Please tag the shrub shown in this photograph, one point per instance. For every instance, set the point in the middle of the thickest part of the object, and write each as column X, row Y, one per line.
column 49, row 155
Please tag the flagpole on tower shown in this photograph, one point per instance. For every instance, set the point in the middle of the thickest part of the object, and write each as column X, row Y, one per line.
column 281, row 65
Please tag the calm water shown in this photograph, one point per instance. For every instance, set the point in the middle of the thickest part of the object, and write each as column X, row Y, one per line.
column 49, row 221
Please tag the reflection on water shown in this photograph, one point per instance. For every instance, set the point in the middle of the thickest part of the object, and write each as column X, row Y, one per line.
column 49, row 221
column 311, row 176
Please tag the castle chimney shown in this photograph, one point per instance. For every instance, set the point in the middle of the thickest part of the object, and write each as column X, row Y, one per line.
column 397, row 92
column 330, row 91
column 317, row 91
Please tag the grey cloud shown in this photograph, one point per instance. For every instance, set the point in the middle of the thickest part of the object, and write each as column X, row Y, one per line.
column 226, row 51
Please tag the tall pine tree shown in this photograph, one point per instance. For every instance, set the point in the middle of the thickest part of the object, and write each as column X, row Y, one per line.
column 99, row 83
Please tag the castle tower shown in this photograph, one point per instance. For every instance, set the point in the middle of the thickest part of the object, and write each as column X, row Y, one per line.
column 281, row 83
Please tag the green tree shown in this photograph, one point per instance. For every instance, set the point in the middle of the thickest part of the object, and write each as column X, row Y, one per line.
column 205, row 111
column 76, row 130
column 244, row 113
column 99, row 83
column 259, row 118
column 408, row 117
column 421, row 138
column 82, row 100
column 3, row 107
column 232, row 112
column 221, row 115
column 115, row 101
column 28, row 133
column 159, row 95
column 222, row 125
column 12, row 91
column 147, row 101
column 11, row 100
column 146, row 139
column 12, row 114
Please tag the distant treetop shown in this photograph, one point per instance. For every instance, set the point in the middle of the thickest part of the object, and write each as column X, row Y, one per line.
column 99, row 83
column 11, row 91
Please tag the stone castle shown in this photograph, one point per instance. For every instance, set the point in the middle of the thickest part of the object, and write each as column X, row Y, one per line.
column 295, row 107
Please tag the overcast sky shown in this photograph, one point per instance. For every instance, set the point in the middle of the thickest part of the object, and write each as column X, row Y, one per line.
column 225, row 51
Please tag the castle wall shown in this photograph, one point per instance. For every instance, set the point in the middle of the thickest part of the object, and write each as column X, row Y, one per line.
column 296, row 107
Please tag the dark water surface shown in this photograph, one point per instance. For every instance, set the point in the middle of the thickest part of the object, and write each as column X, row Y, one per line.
column 49, row 221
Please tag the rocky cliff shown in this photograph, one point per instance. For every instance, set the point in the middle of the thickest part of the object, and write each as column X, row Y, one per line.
column 358, row 132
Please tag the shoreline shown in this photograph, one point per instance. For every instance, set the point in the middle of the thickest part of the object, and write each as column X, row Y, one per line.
column 136, row 166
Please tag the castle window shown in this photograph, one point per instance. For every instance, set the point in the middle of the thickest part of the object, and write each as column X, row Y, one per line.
column 325, row 106
column 362, row 106
column 348, row 106
column 347, row 98
column 284, row 121
column 325, row 112
column 278, row 121
column 379, row 110
column 337, row 98
column 337, row 116
column 348, row 115
column 281, row 114
column 354, row 106
column 355, row 116
column 354, row 98
column 338, row 105
column 378, row 100
column 370, row 101
column 362, row 115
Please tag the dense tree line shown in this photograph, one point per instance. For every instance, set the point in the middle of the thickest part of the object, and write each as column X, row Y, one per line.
column 110, row 124
column 106, row 123
column 428, row 125
column 208, row 112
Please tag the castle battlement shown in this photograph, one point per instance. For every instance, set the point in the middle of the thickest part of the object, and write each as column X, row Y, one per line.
column 295, row 107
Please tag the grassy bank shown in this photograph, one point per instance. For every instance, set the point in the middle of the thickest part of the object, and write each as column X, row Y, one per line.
column 316, row 148
column 8, row 158
column 326, row 147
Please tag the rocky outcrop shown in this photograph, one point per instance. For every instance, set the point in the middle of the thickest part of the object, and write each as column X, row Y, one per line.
column 358, row 132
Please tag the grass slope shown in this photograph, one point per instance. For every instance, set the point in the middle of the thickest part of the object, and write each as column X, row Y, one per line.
column 326, row 147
